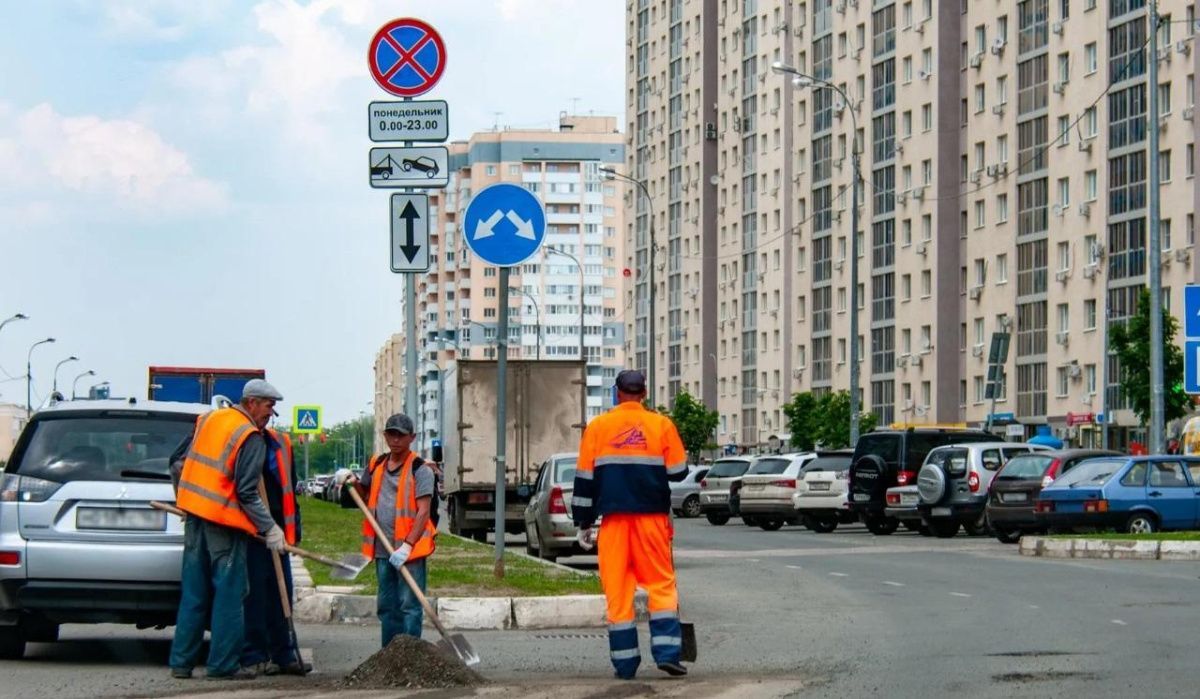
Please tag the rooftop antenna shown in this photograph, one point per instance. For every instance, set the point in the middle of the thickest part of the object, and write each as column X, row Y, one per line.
column 496, row 123
column 574, row 106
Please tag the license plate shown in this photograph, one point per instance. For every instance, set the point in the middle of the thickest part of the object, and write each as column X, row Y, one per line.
column 120, row 518
column 908, row 499
column 755, row 487
column 940, row 512
column 1014, row 497
column 818, row 486
column 717, row 498
column 862, row 497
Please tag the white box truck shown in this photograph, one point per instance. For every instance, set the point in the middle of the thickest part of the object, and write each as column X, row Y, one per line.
column 544, row 405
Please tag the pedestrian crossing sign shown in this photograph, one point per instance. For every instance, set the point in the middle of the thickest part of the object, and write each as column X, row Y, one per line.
column 306, row 419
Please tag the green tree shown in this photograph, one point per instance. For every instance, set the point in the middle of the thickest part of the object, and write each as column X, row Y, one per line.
column 823, row 420
column 1131, row 343
column 344, row 444
column 695, row 423
column 803, row 420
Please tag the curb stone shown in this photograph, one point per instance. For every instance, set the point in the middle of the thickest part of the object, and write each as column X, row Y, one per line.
column 1117, row 549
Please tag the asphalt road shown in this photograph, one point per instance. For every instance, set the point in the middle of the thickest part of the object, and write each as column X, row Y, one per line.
column 787, row 613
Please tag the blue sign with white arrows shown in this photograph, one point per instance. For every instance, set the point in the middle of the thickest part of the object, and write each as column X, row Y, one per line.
column 1191, row 366
column 1191, row 311
column 505, row 225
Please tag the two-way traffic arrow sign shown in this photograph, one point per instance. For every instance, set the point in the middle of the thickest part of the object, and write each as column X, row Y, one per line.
column 410, row 233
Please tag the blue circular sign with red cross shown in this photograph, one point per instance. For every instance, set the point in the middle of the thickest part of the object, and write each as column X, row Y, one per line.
column 407, row 57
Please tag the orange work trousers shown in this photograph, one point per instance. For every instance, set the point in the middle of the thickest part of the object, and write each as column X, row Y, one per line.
column 635, row 551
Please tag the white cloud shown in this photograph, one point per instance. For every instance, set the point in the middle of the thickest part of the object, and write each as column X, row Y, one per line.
column 119, row 162
column 156, row 20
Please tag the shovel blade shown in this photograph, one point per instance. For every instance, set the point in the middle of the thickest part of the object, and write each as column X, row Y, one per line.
column 688, row 649
column 459, row 647
column 349, row 567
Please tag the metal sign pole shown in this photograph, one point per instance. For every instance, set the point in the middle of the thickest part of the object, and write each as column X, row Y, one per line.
column 410, row 337
column 501, row 418
column 1157, row 414
column 306, row 473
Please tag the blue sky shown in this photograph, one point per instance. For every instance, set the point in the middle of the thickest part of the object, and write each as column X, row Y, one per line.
column 183, row 182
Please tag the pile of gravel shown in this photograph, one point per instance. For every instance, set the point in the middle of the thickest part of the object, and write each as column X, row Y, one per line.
column 409, row 662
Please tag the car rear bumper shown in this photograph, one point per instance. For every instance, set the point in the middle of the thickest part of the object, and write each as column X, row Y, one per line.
column 92, row 601
column 819, row 501
column 958, row 511
column 1021, row 518
column 904, row 514
column 1082, row 520
column 781, row 508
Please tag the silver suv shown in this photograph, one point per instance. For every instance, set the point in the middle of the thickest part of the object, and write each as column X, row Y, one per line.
column 79, row 542
column 953, row 484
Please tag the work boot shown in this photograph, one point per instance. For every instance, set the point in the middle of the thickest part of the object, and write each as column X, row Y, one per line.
column 181, row 673
column 243, row 673
column 673, row 669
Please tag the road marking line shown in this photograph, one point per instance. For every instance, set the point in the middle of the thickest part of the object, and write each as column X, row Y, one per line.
column 1034, row 606
column 1118, row 622
column 893, row 583
column 839, row 575
column 795, row 567
column 959, row 594
column 753, row 560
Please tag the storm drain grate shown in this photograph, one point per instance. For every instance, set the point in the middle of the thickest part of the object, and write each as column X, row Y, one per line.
column 571, row 636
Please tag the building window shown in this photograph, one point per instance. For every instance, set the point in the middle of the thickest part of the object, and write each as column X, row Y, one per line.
column 1002, row 268
column 1063, row 380
column 1089, row 185
column 1089, row 58
column 1164, row 166
column 1089, row 379
column 1089, row 314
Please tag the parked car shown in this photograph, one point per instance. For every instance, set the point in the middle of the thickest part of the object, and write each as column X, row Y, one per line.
column 902, row 502
column 715, row 487
column 549, row 529
column 317, row 485
column 685, row 494
column 1016, row 487
column 821, row 497
column 1138, row 495
column 79, row 542
column 887, row 458
column 765, row 496
column 954, row 480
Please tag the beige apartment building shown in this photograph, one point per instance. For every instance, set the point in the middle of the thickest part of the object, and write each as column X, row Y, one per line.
column 12, row 421
column 457, row 301
column 1004, row 188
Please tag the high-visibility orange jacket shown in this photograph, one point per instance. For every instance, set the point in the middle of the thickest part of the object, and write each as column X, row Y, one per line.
column 206, row 486
column 626, row 459
column 281, row 443
column 406, row 510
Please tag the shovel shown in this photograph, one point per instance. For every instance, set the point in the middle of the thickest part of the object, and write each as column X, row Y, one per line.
column 285, row 600
column 455, row 644
column 687, row 631
column 346, row 569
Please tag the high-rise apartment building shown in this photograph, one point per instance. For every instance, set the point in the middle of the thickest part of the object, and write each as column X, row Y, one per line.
column 1004, row 165
column 457, row 301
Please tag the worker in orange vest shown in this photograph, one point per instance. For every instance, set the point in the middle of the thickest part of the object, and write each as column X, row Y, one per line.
column 399, row 489
column 626, row 459
column 218, row 488
column 268, row 648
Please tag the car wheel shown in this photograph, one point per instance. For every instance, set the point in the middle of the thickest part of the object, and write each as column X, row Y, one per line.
column 822, row 525
column 943, row 529
column 979, row 527
column 12, row 643
column 770, row 525
column 1141, row 523
column 716, row 519
column 37, row 630
column 691, row 506
column 750, row 520
column 1008, row 536
column 882, row 526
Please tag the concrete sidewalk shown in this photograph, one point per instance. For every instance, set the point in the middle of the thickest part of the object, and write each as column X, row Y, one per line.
column 1095, row 548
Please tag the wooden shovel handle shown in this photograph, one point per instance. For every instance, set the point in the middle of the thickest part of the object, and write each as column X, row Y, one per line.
column 387, row 545
column 284, row 599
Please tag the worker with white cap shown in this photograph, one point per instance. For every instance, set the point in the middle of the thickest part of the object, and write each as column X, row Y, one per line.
column 218, row 487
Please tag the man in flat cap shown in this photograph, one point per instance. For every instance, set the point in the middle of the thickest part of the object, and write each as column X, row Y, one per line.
column 399, row 488
column 218, row 488
column 626, row 460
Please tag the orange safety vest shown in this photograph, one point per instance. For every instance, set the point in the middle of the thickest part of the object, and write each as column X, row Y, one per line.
column 406, row 510
column 206, row 486
column 283, row 447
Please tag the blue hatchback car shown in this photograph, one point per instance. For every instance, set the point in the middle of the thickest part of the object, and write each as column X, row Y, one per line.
column 1131, row 494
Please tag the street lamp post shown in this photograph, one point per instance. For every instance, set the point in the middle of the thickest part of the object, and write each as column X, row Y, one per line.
column 802, row 80
column 29, row 375
column 72, row 358
column 75, row 383
column 18, row 316
column 613, row 174
column 582, row 354
column 537, row 314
